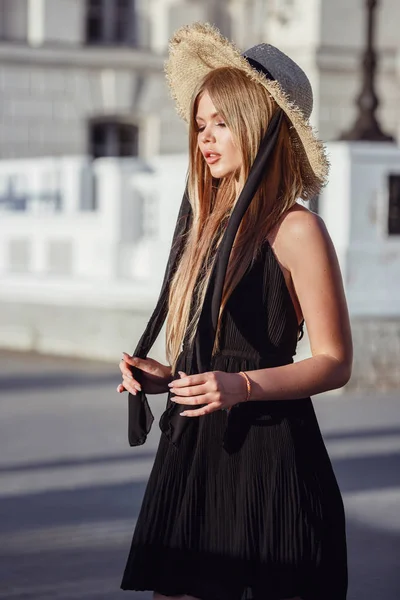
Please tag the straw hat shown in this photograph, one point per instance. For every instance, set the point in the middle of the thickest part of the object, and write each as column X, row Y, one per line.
column 197, row 49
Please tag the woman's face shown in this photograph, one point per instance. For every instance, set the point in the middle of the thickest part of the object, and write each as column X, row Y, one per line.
column 215, row 140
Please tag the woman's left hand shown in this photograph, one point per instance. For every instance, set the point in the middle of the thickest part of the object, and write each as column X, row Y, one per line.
column 216, row 390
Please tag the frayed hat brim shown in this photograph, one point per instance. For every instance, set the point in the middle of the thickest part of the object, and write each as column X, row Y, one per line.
column 197, row 49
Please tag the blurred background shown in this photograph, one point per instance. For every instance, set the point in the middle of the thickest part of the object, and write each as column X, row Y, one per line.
column 92, row 169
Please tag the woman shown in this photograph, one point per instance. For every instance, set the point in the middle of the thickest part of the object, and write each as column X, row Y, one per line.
column 242, row 502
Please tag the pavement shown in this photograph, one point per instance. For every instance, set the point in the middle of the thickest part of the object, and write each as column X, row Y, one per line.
column 71, row 487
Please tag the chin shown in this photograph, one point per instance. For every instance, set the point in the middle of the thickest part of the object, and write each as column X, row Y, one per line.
column 220, row 173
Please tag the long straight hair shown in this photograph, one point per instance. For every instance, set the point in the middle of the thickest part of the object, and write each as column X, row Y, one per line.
column 247, row 109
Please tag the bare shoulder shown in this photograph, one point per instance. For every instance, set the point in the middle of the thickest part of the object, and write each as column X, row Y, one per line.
column 299, row 223
column 300, row 234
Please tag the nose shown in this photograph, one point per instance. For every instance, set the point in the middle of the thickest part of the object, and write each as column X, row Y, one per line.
column 207, row 134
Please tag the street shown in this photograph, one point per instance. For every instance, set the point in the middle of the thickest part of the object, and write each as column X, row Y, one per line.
column 71, row 487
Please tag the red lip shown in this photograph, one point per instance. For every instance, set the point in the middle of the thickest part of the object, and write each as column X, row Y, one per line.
column 211, row 157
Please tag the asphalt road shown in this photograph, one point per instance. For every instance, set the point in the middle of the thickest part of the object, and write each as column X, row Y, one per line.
column 71, row 487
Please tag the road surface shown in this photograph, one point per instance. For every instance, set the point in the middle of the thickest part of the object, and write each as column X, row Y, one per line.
column 71, row 487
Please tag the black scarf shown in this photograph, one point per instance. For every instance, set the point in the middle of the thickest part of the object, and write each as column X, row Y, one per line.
column 140, row 416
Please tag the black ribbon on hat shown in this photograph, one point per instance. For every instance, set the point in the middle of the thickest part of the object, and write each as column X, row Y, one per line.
column 139, row 414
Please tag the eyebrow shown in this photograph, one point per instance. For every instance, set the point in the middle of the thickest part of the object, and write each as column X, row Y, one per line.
column 216, row 114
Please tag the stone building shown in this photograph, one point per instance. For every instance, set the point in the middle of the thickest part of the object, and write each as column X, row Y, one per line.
column 84, row 77
column 83, row 242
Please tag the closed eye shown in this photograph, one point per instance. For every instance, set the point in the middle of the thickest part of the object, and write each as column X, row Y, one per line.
column 201, row 128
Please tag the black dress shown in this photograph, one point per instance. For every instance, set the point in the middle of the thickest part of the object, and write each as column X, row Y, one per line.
column 247, row 505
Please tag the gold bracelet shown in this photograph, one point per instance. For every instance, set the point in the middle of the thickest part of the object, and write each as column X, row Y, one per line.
column 248, row 384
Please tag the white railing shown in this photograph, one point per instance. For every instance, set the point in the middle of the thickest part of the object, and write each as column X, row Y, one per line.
column 74, row 219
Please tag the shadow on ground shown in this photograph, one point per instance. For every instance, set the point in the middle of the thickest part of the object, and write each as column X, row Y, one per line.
column 73, row 543
column 67, row 544
column 55, row 380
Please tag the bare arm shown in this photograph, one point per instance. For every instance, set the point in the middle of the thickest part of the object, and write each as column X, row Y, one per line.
column 304, row 248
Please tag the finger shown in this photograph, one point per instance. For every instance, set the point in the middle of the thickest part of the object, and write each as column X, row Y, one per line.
column 193, row 390
column 129, row 388
column 132, row 382
column 144, row 364
column 127, row 374
column 132, row 387
column 188, row 380
column 120, row 388
column 125, row 370
column 130, row 360
column 200, row 412
column 193, row 400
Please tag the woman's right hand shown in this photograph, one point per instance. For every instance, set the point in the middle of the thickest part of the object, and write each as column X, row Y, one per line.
column 154, row 380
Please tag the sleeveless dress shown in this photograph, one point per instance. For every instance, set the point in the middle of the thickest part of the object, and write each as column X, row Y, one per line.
column 247, row 506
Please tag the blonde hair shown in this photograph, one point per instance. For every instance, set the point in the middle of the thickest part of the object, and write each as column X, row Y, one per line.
column 247, row 109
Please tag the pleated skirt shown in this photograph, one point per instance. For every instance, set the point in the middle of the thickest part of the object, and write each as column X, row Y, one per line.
column 258, row 518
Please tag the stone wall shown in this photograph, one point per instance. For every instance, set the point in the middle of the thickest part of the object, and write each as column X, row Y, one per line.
column 103, row 332
column 45, row 106
column 52, row 84
column 100, row 332
column 376, row 354
column 376, row 358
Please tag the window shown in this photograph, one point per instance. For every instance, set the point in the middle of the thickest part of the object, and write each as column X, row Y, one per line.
column 113, row 138
column 394, row 205
column 111, row 22
column 14, row 21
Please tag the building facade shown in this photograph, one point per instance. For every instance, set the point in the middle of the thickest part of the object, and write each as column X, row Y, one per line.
column 93, row 161
column 328, row 38
column 85, row 77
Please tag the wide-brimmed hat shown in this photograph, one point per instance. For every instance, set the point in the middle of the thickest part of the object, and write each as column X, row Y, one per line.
column 197, row 49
